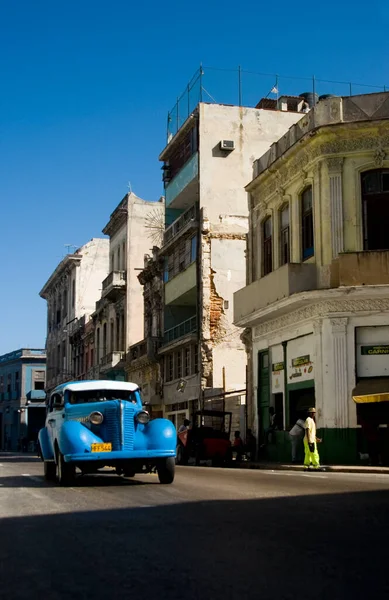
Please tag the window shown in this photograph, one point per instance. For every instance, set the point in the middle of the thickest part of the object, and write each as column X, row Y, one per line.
column 267, row 246
column 169, row 367
column 112, row 335
column 39, row 385
column 375, row 202
column 284, row 236
column 307, row 223
column 98, row 345
column 9, row 382
column 73, row 293
column 179, row 365
column 119, row 261
column 187, row 362
column 16, row 382
column 104, row 339
column 193, row 248
column 196, row 359
column 65, row 303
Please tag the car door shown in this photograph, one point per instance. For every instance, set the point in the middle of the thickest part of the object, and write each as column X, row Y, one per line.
column 54, row 418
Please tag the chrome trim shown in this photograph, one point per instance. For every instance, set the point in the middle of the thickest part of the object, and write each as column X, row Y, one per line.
column 121, row 425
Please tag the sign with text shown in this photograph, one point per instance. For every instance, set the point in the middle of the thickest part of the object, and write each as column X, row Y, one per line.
column 374, row 350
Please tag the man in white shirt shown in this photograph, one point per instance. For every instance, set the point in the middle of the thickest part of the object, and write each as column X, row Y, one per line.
column 312, row 458
column 184, row 426
column 296, row 435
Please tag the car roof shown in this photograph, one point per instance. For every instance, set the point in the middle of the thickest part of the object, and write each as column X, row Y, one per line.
column 101, row 384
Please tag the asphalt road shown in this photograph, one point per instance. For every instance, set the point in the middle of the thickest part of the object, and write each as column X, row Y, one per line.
column 214, row 534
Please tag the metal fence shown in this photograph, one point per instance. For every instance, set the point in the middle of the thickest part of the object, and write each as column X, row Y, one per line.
column 245, row 88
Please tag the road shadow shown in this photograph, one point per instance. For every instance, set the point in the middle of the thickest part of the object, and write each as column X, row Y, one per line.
column 331, row 546
column 82, row 481
column 6, row 457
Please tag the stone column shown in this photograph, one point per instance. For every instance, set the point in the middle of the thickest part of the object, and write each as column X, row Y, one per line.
column 339, row 375
column 335, row 166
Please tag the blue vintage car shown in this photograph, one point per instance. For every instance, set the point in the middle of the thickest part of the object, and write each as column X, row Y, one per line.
column 94, row 424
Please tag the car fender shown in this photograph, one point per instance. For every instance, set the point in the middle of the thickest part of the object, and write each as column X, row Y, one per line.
column 161, row 435
column 75, row 438
column 45, row 446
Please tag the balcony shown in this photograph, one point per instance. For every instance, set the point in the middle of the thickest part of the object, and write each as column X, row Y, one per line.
column 114, row 285
column 36, row 395
column 181, row 330
column 187, row 221
column 146, row 350
column 361, row 268
column 111, row 360
column 182, row 190
column 182, row 288
column 282, row 283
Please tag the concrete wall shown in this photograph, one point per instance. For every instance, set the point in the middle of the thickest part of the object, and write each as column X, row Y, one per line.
column 180, row 284
column 93, row 269
column 142, row 217
column 223, row 175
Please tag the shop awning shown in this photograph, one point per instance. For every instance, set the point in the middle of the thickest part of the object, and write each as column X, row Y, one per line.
column 371, row 390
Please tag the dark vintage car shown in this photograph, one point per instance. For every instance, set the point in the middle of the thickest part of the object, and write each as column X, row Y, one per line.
column 94, row 424
column 208, row 439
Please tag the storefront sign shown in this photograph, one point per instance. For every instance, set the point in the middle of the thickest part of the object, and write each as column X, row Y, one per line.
column 277, row 367
column 374, row 350
column 301, row 360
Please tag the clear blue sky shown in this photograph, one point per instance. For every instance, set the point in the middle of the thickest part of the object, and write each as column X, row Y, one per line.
column 85, row 90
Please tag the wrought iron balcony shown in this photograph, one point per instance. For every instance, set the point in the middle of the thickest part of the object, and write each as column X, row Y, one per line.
column 181, row 330
column 185, row 222
column 111, row 360
column 147, row 349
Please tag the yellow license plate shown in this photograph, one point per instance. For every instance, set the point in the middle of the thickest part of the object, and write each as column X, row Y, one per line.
column 101, row 447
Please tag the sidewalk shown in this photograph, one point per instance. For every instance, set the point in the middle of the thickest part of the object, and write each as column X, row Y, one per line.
column 329, row 468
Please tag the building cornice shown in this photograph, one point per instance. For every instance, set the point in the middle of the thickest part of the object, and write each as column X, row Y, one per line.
column 318, row 304
column 64, row 267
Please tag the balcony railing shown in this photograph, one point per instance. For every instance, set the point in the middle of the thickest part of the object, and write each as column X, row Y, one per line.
column 146, row 348
column 180, row 330
column 175, row 228
column 115, row 279
column 111, row 359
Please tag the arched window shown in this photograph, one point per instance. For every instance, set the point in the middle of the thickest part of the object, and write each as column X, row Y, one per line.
column 307, row 237
column 267, row 246
column 375, row 204
column 284, row 236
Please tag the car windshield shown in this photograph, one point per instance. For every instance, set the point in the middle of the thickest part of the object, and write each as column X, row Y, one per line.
column 85, row 396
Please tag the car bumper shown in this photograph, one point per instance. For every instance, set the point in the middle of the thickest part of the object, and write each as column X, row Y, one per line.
column 119, row 455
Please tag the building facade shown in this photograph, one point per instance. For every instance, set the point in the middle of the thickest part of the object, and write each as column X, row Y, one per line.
column 143, row 364
column 316, row 305
column 133, row 228
column 22, row 397
column 206, row 166
column 71, row 293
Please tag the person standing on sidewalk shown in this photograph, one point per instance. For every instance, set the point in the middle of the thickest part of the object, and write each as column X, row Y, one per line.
column 296, row 435
column 312, row 458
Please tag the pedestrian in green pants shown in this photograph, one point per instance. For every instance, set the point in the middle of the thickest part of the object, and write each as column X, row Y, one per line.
column 311, row 458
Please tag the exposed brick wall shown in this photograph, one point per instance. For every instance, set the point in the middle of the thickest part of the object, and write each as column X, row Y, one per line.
column 215, row 309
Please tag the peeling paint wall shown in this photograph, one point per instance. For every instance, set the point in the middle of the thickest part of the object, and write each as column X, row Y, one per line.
column 224, row 227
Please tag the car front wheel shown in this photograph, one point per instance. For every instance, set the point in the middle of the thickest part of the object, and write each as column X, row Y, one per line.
column 165, row 470
column 49, row 470
column 66, row 472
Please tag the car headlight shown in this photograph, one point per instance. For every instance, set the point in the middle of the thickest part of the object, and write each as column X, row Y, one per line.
column 96, row 418
column 143, row 417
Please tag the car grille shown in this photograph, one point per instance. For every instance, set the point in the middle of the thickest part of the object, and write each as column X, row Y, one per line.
column 128, row 426
column 113, row 426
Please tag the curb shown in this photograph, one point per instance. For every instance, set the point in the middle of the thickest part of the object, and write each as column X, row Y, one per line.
column 299, row 468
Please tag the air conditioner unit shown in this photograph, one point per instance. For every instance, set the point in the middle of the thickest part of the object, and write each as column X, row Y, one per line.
column 227, row 145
